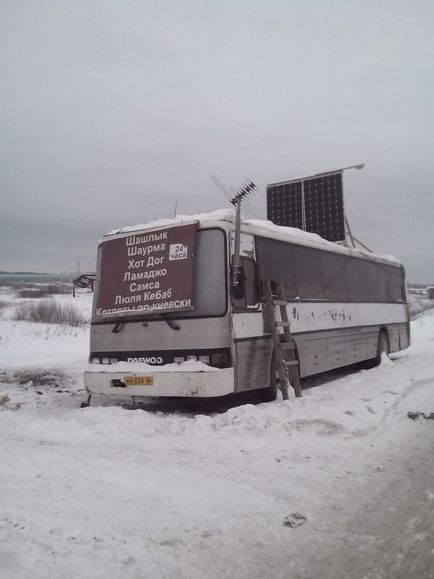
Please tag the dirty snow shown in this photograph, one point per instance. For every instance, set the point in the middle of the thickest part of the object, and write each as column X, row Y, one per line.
column 167, row 490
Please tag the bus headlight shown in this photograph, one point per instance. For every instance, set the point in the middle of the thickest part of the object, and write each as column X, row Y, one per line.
column 179, row 359
column 204, row 359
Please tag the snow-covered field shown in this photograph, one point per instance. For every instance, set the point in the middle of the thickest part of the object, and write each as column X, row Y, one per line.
column 167, row 491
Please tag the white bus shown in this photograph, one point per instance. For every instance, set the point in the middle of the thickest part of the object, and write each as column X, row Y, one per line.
column 167, row 322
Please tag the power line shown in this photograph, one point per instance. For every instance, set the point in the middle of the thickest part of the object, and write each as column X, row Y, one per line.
column 221, row 187
column 252, row 213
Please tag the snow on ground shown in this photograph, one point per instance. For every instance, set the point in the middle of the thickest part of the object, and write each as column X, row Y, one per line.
column 43, row 349
column 419, row 304
column 166, row 491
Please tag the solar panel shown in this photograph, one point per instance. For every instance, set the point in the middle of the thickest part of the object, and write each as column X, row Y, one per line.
column 314, row 204
column 324, row 207
column 284, row 204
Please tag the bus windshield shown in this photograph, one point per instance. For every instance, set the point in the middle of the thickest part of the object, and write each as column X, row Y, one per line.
column 210, row 276
column 209, row 279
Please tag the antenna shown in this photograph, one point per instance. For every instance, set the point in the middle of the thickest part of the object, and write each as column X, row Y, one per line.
column 235, row 198
column 242, row 192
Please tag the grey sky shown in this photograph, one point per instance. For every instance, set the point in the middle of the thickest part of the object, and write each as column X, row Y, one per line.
column 112, row 110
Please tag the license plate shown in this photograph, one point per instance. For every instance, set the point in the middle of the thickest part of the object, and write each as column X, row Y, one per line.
column 138, row 380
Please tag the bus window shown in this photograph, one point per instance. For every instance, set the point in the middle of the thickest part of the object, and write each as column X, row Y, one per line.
column 377, row 283
column 248, row 292
column 358, row 279
column 210, row 289
column 334, row 276
column 395, row 284
column 275, row 262
column 308, row 273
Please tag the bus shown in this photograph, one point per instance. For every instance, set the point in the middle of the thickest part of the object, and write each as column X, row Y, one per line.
column 168, row 321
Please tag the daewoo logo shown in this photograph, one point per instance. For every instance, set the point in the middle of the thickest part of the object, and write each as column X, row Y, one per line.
column 147, row 360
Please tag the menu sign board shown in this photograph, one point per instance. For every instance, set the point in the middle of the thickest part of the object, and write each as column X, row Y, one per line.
column 150, row 271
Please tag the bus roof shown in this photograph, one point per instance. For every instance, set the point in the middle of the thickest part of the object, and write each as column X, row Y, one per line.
column 260, row 227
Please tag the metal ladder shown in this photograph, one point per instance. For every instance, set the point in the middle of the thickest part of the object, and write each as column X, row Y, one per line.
column 284, row 349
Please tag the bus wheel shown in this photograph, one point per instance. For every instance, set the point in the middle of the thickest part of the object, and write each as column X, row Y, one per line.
column 269, row 394
column 382, row 347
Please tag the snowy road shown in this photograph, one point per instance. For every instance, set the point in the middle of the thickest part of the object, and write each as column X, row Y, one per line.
column 114, row 492
column 388, row 531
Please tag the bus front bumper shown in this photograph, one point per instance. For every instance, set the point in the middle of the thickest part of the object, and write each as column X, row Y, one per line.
column 155, row 382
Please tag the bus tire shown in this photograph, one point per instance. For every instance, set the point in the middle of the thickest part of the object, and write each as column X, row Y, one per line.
column 269, row 394
column 382, row 346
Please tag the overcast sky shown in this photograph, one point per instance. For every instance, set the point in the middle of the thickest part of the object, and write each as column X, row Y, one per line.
column 110, row 111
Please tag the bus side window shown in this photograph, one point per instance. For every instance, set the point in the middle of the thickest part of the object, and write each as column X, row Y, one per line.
column 335, row 277
column 395, row 284
column 248, row 292
column 308, row 273
column 275, row 262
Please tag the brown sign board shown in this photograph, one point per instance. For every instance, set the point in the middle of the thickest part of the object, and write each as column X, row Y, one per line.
column 147, row 271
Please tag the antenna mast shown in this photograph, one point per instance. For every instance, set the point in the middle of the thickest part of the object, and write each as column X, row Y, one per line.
column 236, row 200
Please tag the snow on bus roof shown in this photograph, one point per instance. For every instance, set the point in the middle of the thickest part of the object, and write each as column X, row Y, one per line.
column 294, row 235
column 258, row 227
column 220, row 215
